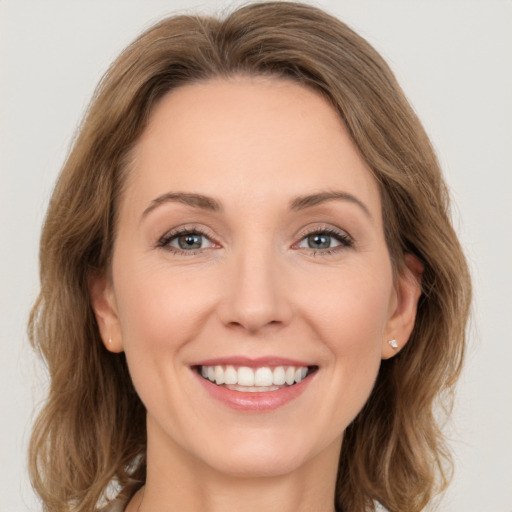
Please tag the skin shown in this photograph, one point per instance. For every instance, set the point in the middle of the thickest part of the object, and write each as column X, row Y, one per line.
column 255, row 288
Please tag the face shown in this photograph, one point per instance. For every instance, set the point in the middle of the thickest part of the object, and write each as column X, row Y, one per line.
column 251, row 286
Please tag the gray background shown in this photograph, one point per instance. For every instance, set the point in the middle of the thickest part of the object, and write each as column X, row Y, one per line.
column 454, row 60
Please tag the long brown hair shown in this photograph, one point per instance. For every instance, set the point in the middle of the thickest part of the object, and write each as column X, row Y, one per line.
column 89, row 437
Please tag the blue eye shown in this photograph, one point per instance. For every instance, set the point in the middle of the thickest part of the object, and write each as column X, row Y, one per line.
column 320, row 241
column 188, row 241
column 185, row 241
column 323, row 240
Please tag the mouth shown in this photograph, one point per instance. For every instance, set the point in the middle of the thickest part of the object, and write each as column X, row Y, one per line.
column 259, row 379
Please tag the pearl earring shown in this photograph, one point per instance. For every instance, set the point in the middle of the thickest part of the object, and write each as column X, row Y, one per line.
column 110, row 340
column 393, row 344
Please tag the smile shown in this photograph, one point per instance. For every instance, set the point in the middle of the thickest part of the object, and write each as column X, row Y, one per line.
column 253, row 380
column 254, row 385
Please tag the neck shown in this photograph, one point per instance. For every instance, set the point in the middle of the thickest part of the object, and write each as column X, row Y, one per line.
column 178, row 481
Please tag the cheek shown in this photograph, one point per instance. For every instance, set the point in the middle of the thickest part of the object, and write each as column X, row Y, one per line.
column 160, row 313
column 350, row 318
column 159, row 306
column 352, row 309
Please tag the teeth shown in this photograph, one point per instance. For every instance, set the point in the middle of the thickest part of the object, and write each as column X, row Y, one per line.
column 279, row 376
column 254, row 379
column 219, row 375
column 230, row 375
column 253, row 389
column 263, row 377
column 290, row 375
column 245, row 376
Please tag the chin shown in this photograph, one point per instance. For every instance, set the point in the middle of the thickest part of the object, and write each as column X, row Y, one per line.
column 259, row 464
column 265, row 454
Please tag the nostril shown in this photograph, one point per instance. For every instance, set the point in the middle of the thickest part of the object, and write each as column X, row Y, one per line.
column 254, row 325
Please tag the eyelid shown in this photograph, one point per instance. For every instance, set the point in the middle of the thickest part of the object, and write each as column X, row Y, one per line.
column 342, row 236
column 324, row 228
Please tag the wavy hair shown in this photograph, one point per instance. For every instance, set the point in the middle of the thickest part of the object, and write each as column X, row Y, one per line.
column 90, row 434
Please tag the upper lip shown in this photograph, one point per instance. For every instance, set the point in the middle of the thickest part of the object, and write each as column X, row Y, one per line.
column 252, row 362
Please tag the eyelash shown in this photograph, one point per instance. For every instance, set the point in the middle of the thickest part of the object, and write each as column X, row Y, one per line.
column 344, row 239
column 165, row 241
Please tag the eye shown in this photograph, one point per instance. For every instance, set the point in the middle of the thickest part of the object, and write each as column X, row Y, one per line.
column 185, row 241
column 189, row 241
column 325, row 240
column 319, row 241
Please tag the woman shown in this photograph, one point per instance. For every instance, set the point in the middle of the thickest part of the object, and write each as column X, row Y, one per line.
column 251, row 293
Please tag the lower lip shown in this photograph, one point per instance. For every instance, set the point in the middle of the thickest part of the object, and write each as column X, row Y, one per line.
column 255, row 401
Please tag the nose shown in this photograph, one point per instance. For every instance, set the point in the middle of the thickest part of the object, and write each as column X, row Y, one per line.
column 255, row 296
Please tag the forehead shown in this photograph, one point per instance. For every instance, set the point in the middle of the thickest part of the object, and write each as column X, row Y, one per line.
column 266, row 139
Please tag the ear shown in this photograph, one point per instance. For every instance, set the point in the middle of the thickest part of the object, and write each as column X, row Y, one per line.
column 105, row 310
column 404, row 306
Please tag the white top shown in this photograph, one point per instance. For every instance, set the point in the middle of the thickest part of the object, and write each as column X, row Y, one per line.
column 115, row 506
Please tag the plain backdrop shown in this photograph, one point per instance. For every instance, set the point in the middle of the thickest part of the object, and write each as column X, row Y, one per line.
column 454, row 60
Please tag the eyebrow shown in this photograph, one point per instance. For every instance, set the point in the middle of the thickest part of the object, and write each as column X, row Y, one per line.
column 211, row 204
column 190, row 199
column 303, row 202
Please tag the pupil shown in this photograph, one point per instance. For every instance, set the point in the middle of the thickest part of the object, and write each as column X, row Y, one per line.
column 189, row 241
column 318, row 241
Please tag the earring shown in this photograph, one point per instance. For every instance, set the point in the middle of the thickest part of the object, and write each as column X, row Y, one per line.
column 110, row 340
column 393, row 344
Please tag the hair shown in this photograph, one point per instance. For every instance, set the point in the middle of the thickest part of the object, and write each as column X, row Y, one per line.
column 90, row 433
